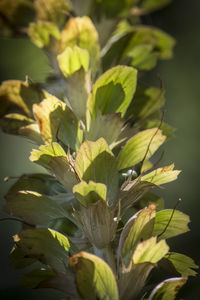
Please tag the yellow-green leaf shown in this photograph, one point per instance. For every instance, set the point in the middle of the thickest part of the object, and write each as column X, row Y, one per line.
column 150, row 5
column 161, row 175
column 94, row 277
column 169, row 223
column 91, row 192
column 150, row 251
column 42, row 32
column 167, row 289
column 143, row 145
column 34, row 208
column 47, row 245
column 113, row 91
column 95, row 161
column 82, row 33
column 73, row 59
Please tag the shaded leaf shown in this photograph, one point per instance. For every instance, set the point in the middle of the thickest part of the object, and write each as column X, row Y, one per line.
column 53, row 158
column 170, row 223
column 46, row 245
column 95, row 161
column 151, row 198
column 179, row 263
column 35, row 277
column 21, row 94
column 94, row 277
column 137, row 275
column 11, row 123
column 143, row 145
column 82, row 33
column 53, row 11
column 88, row 193
column 150, row 5
column 150, row 251
column 19, row 259
column 113, row 91
column 161, row 175
column 41, row 33
column 57, row 122
column 166, row 128
column 33, row 207
column 107, row 126
column 167, row 289
column 139, row 227
column 72, row 60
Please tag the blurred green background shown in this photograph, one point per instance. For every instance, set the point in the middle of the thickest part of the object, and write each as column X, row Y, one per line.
column 180, row 76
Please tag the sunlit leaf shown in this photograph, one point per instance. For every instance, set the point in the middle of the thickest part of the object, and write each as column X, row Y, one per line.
column 113, row 91
column 150, row 251
column 57, row 122
column 33, row 207
column 167, row 289
column 170, row 223
column 139, row 227
column 180, row 263
column 142, row 145
column 53, row 158
column 162, row 175
column 72, row 60
column 95, row 161
column 94, row 277
column 46, row 245
column 166, row 128
column 42, row 32
column 21, row 94
column 88, row 193
column 53, row 11
column 82, row 33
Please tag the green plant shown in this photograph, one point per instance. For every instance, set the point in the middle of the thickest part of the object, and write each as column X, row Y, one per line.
column 93, row 228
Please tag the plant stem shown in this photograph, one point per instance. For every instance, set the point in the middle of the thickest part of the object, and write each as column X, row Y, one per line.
column 107, row 255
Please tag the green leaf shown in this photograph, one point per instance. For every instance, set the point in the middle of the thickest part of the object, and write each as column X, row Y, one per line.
column 73, row 59
column 46, row 245
column 34, row 208
column 53, row 158
column 82, row 33
column 21, row 94
column 107, row 126
column 53, row 11
column 180, row 262
column 146, row 102
column 167, row 289
column 57, row 122
column 138, row 274
column 19, row 259
column 113, row 91
column 166, row 128
column 143, row 145
column 150, row 5
column 161, row 175
column 94, row 277
column 151, row 198
column 88, row 193
column 170, row 223
column 150, row 251
column 139, row 227
column 34, row 278
column 95, row 161
column 41, row 33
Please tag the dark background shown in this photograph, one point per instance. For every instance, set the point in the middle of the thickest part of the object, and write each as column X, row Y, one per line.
column 180, row 77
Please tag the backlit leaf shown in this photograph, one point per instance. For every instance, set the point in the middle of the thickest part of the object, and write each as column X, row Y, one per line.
column 161, row 175
column 42, row 32
column 113, row 91
column 87, row 193
column 95, row 161
column 47, row 245
column 94, row 277
column 72, row 60
column 170, row 223
column 167, row 289
column 142, row 145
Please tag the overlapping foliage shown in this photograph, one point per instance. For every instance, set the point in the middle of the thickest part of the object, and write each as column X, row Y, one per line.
column 93, row 228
